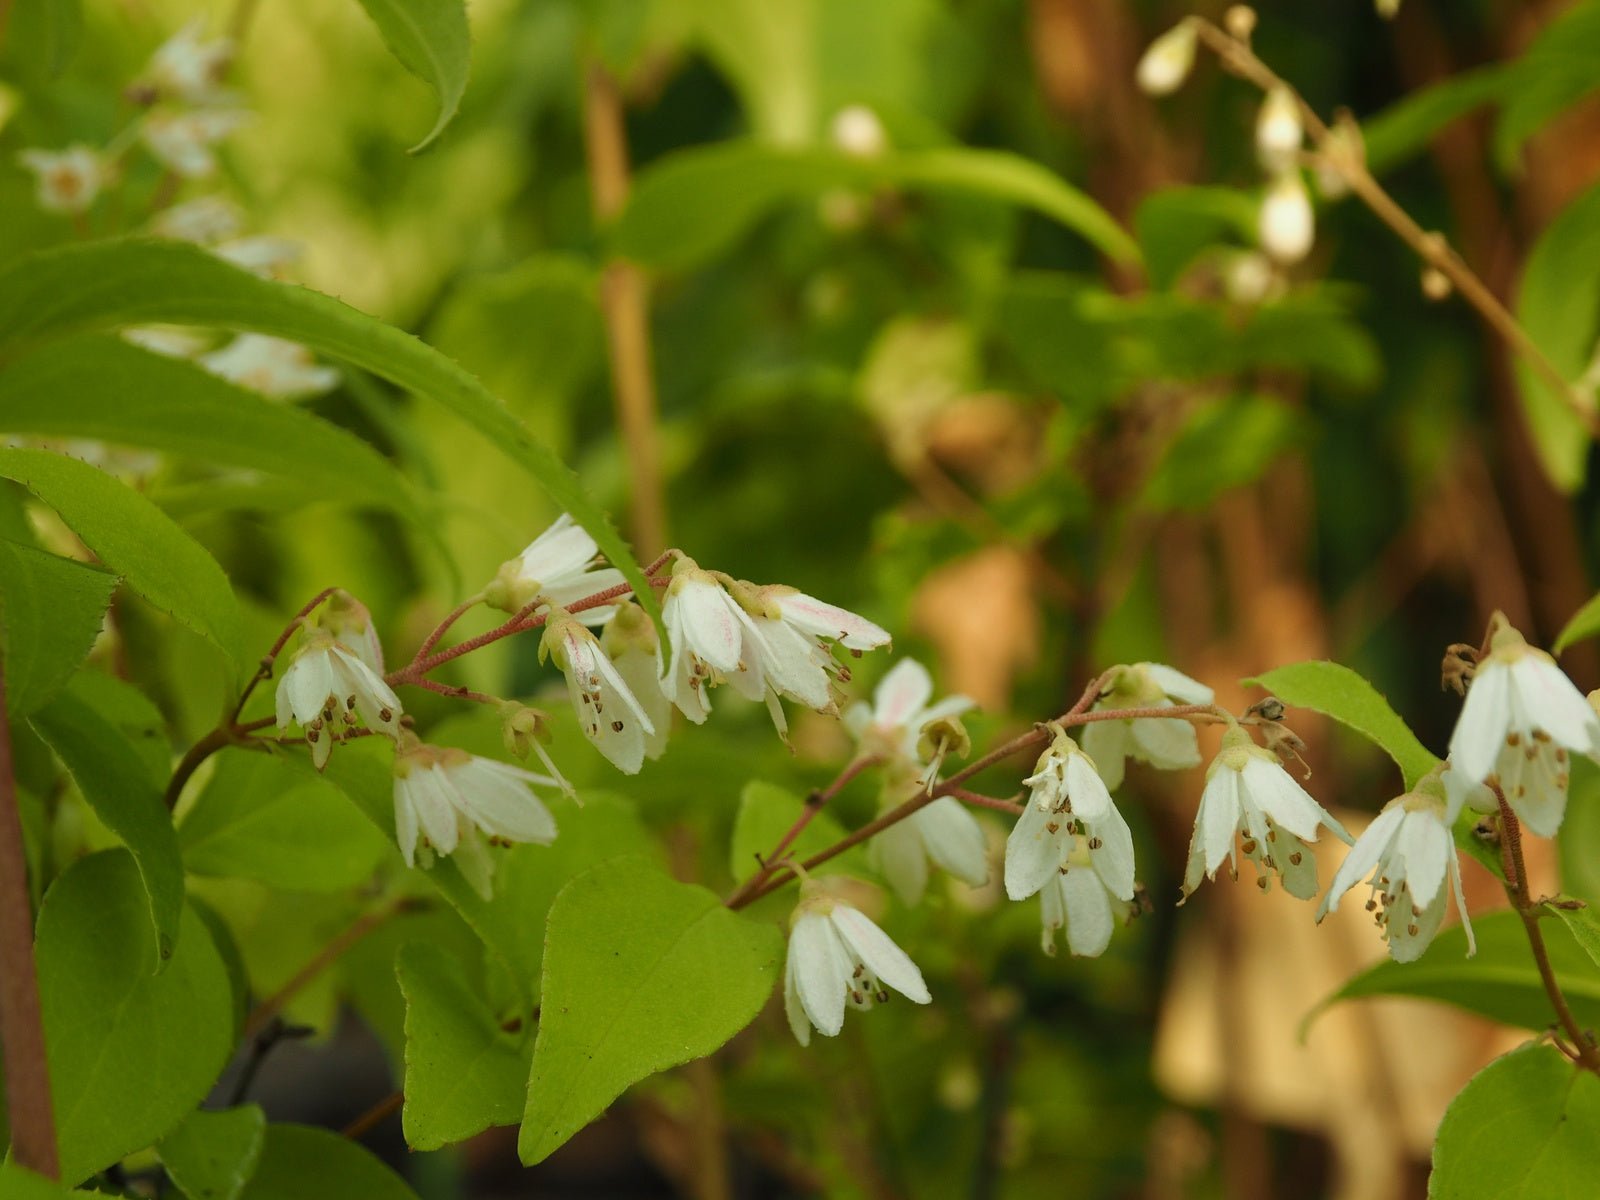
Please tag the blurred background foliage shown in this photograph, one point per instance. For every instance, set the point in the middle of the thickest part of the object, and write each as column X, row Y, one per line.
column 929, row 403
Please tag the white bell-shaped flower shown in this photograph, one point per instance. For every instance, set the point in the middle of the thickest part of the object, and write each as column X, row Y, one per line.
column 630, row 641
column 892, row 724
column 272, row 366
column 184, row 142
column 1167, row 743
column 705, row 631
column 1410, row 854
column 1287, row 225
column 1279, row 133
column 1168, row 61
column 326, row 687
column 1249, row 794
column 67, row 181
column 1079, row 899
column 838, row 957
column 608, row 712
column 1522, row 721
column 203, row 221
column 857, row 131
column 190, row 67
column 1068, row 799
column 561, row 567
column 261, row 254
column 943, row 831
column 448, row 801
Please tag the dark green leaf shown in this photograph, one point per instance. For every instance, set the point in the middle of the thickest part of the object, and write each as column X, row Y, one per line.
column 431, row 40
column 1338, row 692
column 1579, row 843
column 212, row 1155
column 1176, row 224
column 134, row 538
column 1404, row 129
column 641, row 973
column 1559, row 69
column 44, row 34
column 1222, row 445
column 1522, row 1129
column 52, row 610
column 463, row 1073
column 114, row 782
column 301, row 1163
column 130, row 1053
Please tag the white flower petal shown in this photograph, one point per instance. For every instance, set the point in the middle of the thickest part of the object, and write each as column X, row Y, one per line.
column 1218, row 817
column 1168, row 745
column 1088, row 909
column 1113, row 861
column 799, row 1023
column 1108, row 743
column 1363, row 857
column 898, row 854
column 1090, row 799
column 954, row 840
column 1553, row 703
column 1033, row 852
column 902, row 693
column 434, row 799
column 1426, row 846
column 1481, row 728
column 1178, row 685
column 821, row 971
column 829, row 621
column 882, row 957
column 709, row 626
column 1274, row 791
column 496, row 799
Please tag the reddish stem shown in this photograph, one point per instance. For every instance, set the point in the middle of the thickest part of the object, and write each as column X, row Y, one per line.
column 982, row 801
column 264, row 670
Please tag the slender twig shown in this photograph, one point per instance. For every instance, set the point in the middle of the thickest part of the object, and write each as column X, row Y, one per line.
column 439, row 630
column 1528, row 910
column 27, row 1074
column 264, row 671
column 225, row 735
column 458, row 692
column 1431, row 247
column 982, row 801
column 375, row 1115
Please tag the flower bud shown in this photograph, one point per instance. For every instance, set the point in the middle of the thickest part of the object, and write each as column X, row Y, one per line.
column 1435, row 283
column 522, row 728
column 1344, row 153
column 1279, row 133
column 1287, row 225
column 858, row 132
column 508, row 591
column 1166, row 64
column 1240, row 21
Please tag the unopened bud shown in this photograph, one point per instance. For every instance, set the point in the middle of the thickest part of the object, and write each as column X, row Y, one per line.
column 1287, row 225
column 1435, row 283
column 1240, row 21
column 1343, row 155
column 1168, row 61
column 858, row 132
column 1387, row 8
column 1247, row 277
column 522, row 728
column 508, row 591
column 628, row 629
column 1279, row 133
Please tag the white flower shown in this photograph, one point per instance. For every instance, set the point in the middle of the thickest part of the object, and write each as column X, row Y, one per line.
column 325, row 679
column 272, row 366
column 1287, row 225
column 203, row 221
column 893, row 723
column 1278, row 131
column 1166, row 743
column 838, row 957
column 447, row 800
column 1248, row 792
column 857, row 131
column 1521, row 719
column 189, row 68
column 1410, row 852
column 1068, row 798
column 1168, row 61
column 68, row 180
column 706, row 631
column 630, row 640
column 169, row 341
column 261, row 254
column 1079, row 899
column 350, row 623
column 944, row 831
column 609, row 713
column 182, row 141
column 558, row 567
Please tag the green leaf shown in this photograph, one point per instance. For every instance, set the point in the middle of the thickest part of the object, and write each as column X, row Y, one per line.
column 299, row 1162
column 44, row 35
column 110, row 284
column 1559, row 69
column 263, row 817
column 1585, row 623
column 641, row 973
column 1581, row 922
column 463, row 1072
column 212, row 1155
column 1523, row 1128
column 134, row 538
column 130, row 1053
column 1558, row 303
column 1500, row 982
column 431, row 40
column 1176, row 224
column 115, row 783
column 95, row 386
column 1404, row 129
column 766, row 813
column 1579, row 844
column 19, row 1183
column 1338, row 692
column 1222, row 445
column 52, row 609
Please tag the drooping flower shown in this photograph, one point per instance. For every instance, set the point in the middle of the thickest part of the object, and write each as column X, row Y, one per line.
column 270, row 365
column 1079, row 899
column 560, row 567
column 261, row 254
column 706, row 635
column 184, row 142
column 1521, row 722
column 68, row 181
column 1167, row 743
column 189, row 67
column 608, row 712
column 837, row 956
column 203, row 221
column 1410, row 854
column 943, row 831
column 892, row 724
column 857, row 131
column 630, row 641
column 1249, row 793
column 447, row 801
column 1287, row 225
column 1068, row 799
column 170, row 341
column 1279, row 133
column 326, row 687
column 1168, row 61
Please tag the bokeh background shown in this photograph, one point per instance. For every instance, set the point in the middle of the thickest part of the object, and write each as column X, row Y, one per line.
column 952, row 414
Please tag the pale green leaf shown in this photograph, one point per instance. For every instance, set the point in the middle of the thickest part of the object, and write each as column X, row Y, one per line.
column 111, row 284
column 134, row 538
column 299, row 1162
column 263, row 817
column 115, row 783
column 130, row 1053
column 1579, row 844
column 1500, row 982
column 19, row 1183
column 100, row 387
column 1522, row 1129
column 1404, row 129
column 1554, row 73
column 463, row 1072
column 1581, row 922
column 51, row 609
column 1558, row 303
column 641, row 973
column 431, row 40
column 212, row 1155
column 1585, row 623
column 766, row 813
column 1338, row 692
